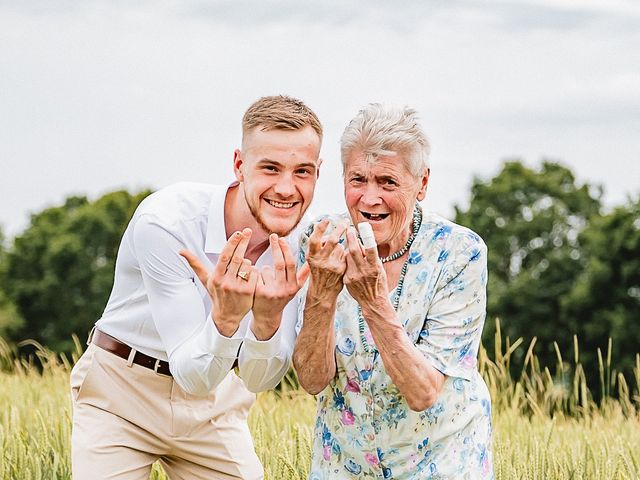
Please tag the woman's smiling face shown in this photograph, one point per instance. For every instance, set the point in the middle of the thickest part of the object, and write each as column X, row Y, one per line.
column 383, row 192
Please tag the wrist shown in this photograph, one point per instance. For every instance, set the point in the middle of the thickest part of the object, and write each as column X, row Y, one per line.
column 323, row 285
column 319, row 304
column 380, row 309
column 323, row 296
column 226, row 327
column 265, row 327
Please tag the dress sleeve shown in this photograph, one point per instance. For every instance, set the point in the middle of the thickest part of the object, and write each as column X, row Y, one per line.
column 451, row 334
column 199, row 356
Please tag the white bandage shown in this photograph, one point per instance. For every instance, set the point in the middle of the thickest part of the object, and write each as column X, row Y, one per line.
column 367, row 236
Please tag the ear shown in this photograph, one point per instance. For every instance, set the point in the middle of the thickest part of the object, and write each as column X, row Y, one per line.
column 318, row 168
column 424, row 181
column 237, row 164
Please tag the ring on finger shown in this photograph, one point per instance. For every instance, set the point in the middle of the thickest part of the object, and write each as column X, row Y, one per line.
column 244, row 276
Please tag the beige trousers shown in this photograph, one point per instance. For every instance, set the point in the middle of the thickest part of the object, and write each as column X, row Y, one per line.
column 125, row 417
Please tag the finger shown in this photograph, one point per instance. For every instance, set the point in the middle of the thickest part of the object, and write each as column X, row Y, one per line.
column 315, row 240
column 303, row 274
column 226, row 254
column 254, row 277
column 241, row 249
column 279, row 267
column 355, row 248
column 195, row 264
column 289, row 261
column 371, row 256
column 338, row 252
column 245, row 268
column 351, row 266
column 238, row 255
column 332, row 239
column 353, row 270
column 267, row 274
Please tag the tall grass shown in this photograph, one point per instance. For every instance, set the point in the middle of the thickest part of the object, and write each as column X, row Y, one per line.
column 538, row 391
column 35, row 422
column 546, row 421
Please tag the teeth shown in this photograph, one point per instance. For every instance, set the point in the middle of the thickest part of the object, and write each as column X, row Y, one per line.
column 375, row 216
column 280, row 205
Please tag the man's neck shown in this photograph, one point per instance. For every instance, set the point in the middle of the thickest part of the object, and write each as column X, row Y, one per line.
column 237, row 217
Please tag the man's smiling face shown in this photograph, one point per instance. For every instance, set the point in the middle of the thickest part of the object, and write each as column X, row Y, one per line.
column 278, row 170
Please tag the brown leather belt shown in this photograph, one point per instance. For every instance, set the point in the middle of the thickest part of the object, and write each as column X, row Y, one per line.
column 115, row 346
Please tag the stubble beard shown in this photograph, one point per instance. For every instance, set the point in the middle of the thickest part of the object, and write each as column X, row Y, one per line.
column 258, row 218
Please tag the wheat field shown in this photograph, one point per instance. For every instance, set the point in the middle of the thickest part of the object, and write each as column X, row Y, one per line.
column 544, row 429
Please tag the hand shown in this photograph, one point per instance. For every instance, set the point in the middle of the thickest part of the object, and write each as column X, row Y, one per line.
column 275, row 288
column 326, row 258
column 365, row 277
column 231, row 295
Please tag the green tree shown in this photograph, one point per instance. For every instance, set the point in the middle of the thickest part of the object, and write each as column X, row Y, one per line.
column 605, row 298
column 61, row 267
column 531, row 221
column 10, row 319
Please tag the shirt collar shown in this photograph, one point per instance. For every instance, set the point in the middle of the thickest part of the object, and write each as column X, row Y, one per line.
column 216, row 236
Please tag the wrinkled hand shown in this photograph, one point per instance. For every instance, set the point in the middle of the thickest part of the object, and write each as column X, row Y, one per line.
column 326, row 258
column 232, row 296
column 275, row 288
column 365, row 277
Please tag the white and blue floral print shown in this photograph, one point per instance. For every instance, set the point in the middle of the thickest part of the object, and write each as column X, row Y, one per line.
column 365, row 429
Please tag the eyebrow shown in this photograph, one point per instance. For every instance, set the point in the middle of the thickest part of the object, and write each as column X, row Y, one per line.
column 387, row 177
column 358, row 173
column 268, row 161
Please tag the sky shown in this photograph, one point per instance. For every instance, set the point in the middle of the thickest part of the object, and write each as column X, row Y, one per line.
column 101, row 95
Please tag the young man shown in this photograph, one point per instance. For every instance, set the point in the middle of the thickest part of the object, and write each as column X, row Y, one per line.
column 157, row 380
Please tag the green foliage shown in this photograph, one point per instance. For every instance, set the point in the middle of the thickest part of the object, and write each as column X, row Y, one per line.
column 605, row 297
column 531, row 221
column 10, row 319
column 61, row 267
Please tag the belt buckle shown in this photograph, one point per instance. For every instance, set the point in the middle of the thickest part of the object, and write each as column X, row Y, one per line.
column 156, row 366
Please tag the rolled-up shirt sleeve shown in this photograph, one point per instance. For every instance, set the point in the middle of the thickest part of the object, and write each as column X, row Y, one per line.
column 262, row 364
column 199, row 356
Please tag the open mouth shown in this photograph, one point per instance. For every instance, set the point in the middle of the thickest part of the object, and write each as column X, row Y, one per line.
column 374, row 217
column 281, row 205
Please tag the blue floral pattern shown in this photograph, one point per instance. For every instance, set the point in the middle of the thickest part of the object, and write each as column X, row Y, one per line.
column 364, row 428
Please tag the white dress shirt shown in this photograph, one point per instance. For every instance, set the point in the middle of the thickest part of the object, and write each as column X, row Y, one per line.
column 159, row 306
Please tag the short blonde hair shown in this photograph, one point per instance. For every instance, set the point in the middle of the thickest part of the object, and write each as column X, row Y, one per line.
column 383, row 130
column 280, row 112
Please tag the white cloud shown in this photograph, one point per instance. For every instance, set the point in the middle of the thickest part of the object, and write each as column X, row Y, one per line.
column 99, row 95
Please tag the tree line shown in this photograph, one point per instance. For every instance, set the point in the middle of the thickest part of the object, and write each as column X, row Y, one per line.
column 559, row 265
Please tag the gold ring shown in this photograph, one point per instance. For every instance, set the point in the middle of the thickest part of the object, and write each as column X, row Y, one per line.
column 244, row 276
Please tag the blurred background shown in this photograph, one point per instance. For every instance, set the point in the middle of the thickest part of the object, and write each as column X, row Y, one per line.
column 532, row 108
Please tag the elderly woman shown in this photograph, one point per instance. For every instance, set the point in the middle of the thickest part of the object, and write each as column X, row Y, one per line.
column 390, row 335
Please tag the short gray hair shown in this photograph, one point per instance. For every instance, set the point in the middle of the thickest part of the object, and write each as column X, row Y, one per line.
column 384, row 130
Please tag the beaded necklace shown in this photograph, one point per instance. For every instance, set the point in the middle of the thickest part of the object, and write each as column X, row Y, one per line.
column 417, row 221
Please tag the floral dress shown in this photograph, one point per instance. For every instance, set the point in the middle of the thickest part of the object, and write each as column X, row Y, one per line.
column 364, row 427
